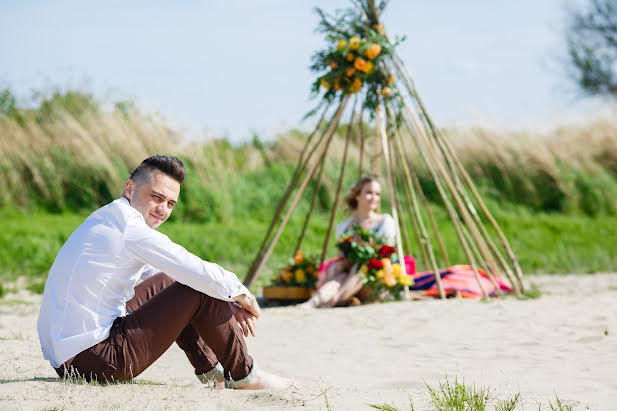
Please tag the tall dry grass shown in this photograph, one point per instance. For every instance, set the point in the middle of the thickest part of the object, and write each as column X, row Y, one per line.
column 571, row 169
column 71, row 154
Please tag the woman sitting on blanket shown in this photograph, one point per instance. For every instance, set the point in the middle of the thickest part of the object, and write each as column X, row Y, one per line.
column 339, row 281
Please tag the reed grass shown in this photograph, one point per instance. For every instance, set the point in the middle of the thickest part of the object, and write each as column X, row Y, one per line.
column 72, row 153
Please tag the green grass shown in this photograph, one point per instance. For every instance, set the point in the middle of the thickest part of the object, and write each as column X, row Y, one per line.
column 458, row 396
column 455, row 395
column 509, row 404
column 559, row 405
column 544, row 243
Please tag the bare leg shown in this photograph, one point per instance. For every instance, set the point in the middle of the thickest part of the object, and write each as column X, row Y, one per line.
column 328, row 294
column 350, row 287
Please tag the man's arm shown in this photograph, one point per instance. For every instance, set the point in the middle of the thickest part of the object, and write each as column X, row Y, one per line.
column 157, row 250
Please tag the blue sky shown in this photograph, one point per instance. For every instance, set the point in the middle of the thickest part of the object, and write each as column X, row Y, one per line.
column 236, row 67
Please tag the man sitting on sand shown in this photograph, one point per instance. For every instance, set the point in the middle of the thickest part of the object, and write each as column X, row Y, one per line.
column 95, row 322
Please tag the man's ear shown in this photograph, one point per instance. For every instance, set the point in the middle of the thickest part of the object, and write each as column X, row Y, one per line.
column 129, row 189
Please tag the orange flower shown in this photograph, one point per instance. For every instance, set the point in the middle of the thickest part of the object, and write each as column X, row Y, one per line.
column 298, row 258
column 286, row 276
column 337, row 85
column 356, row 85
column 369, row 67
column 373, row 51
column 390, row 79
column 324, row 83
column 341, row 45
column 332, row 65
column 350, row 71
column 350, row 57
column 379, row 29
column 360, row 63
column 389, row 280
column 386, row 91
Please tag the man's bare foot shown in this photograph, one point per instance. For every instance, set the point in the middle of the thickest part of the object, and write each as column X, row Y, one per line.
column 264, row 380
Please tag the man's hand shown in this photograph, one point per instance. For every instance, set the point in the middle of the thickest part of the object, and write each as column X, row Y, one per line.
column 247, row 315
column 249, row 304
column 246, row 320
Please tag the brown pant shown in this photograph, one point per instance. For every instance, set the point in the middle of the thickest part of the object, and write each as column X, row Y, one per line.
column 164, row 311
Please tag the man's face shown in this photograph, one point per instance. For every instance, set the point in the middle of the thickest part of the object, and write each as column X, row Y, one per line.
column 154, row 199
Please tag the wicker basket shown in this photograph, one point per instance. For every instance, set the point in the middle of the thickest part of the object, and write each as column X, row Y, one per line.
column 287, row 293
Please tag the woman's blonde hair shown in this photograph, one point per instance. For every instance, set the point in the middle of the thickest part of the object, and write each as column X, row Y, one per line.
column 356, row 189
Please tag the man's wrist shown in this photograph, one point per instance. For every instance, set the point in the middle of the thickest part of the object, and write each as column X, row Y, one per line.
column 240, row 298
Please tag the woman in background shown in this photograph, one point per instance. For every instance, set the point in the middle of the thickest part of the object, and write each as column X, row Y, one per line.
column 339, row 280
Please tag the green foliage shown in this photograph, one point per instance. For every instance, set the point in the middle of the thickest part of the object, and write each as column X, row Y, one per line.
column 8, row 107
column 75, row 103
column 591, row 39
column 458, row 396
column 2, row 290
column 30, row 241
column 384, row 407
column 559, row 405
column 532, row 292
column 508, row 404
column 37, row 287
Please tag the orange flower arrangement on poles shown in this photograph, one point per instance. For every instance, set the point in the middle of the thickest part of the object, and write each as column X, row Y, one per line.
column 354, row 60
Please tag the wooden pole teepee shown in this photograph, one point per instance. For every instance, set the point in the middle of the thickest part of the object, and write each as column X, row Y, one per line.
column 361, row 60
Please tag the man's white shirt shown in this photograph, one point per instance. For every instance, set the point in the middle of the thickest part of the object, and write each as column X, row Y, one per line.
column 96, row 270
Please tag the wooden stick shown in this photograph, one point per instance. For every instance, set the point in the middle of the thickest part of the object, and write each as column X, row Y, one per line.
column 400, row 66
column 431, row 218
column 432, row 166
column 414, row 223
column 377, row 147
column 381, row 126
column 429, row 213
column 399, row 208
column 492, row 221
column 487, row 238
column 300, row 166
column 313, row 202
column 418, row 217
column 483, row 239
column 440, row 168
column 331, row 130
column 361, row 144
column 324, row 250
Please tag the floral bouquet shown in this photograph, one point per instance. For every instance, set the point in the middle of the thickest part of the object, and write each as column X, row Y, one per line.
column 378, row 263
column 355, row 57
column 300, row 271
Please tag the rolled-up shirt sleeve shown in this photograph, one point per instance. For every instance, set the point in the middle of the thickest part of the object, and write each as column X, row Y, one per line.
column 157, row 250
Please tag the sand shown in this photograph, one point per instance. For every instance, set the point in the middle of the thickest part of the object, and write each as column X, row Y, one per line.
column 563, row 344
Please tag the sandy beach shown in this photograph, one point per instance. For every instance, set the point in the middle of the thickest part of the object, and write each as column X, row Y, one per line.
column 563, row 344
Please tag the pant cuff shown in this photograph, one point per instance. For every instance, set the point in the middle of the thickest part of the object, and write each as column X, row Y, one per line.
column 212, row 375
column 244, row 381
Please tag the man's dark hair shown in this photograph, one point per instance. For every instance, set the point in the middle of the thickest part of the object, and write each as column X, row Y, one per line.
column 169, row 165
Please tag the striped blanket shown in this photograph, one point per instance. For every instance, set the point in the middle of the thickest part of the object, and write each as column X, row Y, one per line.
column 458, row 279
